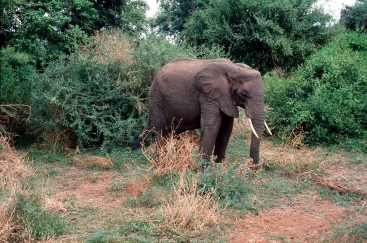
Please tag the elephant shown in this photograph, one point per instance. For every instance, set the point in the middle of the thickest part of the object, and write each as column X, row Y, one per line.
column 189, row 94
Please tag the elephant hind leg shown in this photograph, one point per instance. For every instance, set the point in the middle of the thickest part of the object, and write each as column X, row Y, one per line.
column 137, row 141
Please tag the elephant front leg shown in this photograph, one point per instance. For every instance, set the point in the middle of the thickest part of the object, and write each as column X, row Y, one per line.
column 222, row 140
column 209, row 126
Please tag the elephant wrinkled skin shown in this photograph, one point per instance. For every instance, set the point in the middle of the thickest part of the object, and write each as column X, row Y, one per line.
column 188, row 94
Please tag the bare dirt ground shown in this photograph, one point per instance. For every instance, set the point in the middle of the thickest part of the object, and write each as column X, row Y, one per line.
column 292, row 224
column 86, row 188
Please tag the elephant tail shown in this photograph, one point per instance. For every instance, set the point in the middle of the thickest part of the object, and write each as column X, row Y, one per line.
column 139, row 139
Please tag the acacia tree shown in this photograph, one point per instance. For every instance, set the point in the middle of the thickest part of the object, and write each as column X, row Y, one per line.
column 263, row 34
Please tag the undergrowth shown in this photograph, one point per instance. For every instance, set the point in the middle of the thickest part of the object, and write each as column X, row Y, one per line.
column 25, row 212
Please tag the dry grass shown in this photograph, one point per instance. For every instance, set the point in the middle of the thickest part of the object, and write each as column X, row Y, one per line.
column 291, row 155
column 89, row 161
column 111, row 45
column 136, row 185
column 176, row 155
column 54, row 205
column 188, row 210
column 12, row 164
column 12, row 170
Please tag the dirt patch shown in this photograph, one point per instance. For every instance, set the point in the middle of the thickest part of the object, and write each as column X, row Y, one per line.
column 86, row 188
column 350, row 176
column 287, row 224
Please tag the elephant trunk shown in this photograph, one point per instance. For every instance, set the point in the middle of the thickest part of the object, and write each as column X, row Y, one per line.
column 258, row 124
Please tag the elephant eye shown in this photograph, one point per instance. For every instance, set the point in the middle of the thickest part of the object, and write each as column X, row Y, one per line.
column 244, row 95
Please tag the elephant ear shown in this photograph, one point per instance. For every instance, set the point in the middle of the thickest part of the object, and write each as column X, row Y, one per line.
column 212, row 81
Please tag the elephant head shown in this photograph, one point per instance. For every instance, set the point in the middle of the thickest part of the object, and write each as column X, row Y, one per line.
column 231, row 85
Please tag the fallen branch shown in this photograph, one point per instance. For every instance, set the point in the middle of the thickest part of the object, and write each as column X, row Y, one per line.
column 319, row 179
column 338, row 187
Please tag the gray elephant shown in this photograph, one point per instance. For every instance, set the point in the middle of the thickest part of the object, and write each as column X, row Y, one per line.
column 188, row 94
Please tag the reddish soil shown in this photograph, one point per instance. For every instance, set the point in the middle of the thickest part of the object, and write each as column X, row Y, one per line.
column 287, row 224
column 87, row 188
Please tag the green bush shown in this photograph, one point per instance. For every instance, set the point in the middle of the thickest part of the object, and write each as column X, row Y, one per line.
column 326, row 96
column 98, row 96
column 95, row 100
column 15, row 90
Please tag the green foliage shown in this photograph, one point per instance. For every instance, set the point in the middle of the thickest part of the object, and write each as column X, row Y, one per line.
column 15, row 85
column 350, row 232
column 29, row 213
column 359, row 231
column 15, row 90
column 135, row 227
column 97, row 237
column 355, row 17
column 262, row 34
column 128, row 15
column 47, row 29
column 326, row 97
column 238, row 191
column 173, row 14
column 96, row 98
column 344, row 199
column 146, row 199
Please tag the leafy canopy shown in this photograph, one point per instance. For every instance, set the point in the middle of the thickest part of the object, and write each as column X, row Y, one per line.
column 49, row 28
column 174, row 14
column 355, row 17
column 263, row 34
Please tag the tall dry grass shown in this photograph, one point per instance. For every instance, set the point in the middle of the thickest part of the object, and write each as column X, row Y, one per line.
column 189, row 211
column 13, row 168
column 111, row 45
column 176, row 155
column 12, row 164
column 291, row 155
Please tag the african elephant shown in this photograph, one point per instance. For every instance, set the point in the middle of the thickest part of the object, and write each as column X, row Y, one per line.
column 188, row 94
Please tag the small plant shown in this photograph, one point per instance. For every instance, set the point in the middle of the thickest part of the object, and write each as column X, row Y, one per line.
column 356, row 232
column 137, row 184
column 97, row 237
column 40, row 222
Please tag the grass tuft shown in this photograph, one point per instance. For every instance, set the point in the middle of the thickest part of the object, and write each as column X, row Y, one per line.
column 12, row 165
column 177, row 154
column 291, row 156
column 85, row 161
column 188, row 210
column 137, row 184
column 12, row 170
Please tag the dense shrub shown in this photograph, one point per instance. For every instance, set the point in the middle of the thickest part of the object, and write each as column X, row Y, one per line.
column 99, row 95
column 327, row 95
column 15, row 89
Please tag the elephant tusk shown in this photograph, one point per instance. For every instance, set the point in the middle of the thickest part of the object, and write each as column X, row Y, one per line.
column 266, row 125
column 252, row 128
